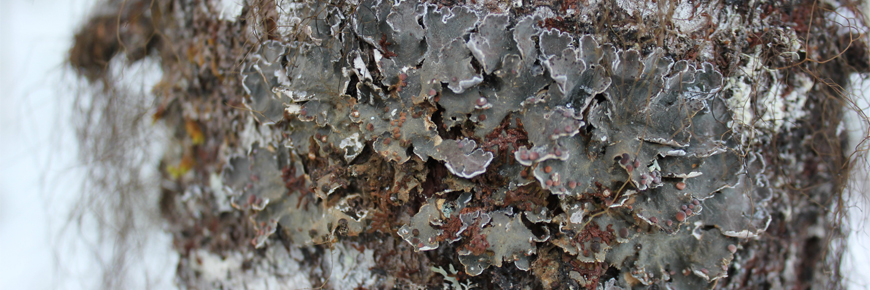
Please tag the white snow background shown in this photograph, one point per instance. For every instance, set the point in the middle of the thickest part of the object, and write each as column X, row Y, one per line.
column 41, row 177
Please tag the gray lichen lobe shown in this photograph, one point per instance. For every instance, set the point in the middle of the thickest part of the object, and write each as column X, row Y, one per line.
column 517, row 249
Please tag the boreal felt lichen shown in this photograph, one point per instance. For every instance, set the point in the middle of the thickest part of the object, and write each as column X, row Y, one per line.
column 504, row 137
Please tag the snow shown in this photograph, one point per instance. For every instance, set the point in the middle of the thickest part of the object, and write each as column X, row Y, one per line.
column 857, row 257
column 41, row 177
column 230, row 10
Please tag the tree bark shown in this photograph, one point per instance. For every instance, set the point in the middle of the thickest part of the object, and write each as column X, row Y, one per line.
column 495, row 144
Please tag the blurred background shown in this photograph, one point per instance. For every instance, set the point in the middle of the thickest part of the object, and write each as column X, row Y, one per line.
column 45, row 241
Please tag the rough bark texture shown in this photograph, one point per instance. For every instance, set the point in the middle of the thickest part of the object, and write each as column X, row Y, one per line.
column 496, row 144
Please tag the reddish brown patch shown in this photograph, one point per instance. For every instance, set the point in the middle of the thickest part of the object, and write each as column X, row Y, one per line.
column 292, row 182
column 505, row 140
column 560, row 24
column 591, row 232
column 450, row 228
column 384, row 43
column 527, row 198
column 591, row 271
column 476, row 242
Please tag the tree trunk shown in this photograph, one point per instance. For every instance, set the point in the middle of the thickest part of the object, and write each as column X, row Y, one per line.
column 496, row 144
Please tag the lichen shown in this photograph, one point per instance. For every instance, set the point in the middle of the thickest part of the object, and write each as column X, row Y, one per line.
column 598, row 119
column 509, row 241
column 430, row 135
